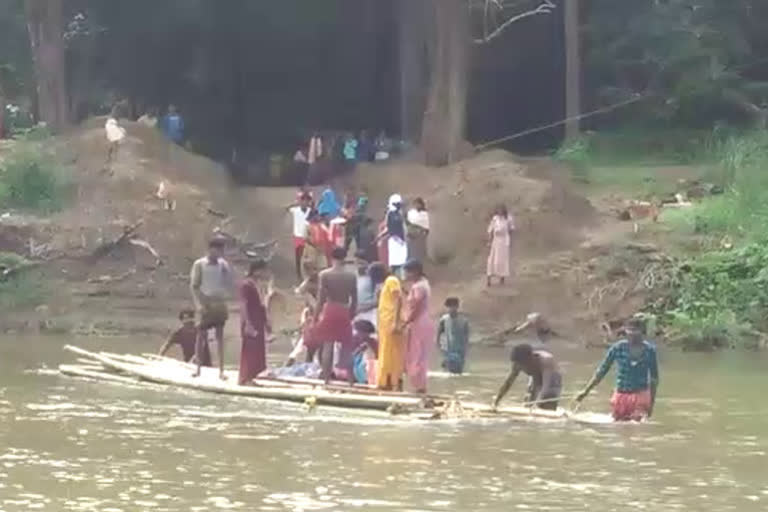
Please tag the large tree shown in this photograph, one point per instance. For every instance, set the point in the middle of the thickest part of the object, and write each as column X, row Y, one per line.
column 456, row 25
column 45, row 23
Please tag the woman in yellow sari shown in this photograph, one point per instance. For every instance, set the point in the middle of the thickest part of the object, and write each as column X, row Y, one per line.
column 391, row 337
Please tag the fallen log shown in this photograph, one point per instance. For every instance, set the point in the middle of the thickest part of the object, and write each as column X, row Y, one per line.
column 106, row 248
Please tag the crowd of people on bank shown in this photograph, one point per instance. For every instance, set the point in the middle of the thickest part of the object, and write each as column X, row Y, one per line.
column 371, row 325
column 324, row 155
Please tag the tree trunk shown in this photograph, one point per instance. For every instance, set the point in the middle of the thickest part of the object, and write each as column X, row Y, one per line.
column 572, row 69
column 413, row 34
column 2, row 112
column 445, row 117
column 45, row 21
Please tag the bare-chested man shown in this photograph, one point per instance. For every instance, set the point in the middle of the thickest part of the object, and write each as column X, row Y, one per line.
column 336, row 304
column 545, row 383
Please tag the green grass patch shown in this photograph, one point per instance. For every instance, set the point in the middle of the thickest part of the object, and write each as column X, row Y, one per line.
column 21, row 290
column 720, row 298
column 31, row 180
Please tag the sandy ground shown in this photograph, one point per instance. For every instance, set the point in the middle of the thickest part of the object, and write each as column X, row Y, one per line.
column 562, row 249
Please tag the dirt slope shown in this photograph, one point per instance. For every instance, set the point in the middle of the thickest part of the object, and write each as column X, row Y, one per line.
column 127, row 290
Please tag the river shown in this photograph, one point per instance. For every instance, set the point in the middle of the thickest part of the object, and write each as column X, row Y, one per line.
column 75, row 445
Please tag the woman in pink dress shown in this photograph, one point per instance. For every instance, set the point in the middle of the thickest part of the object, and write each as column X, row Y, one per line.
column 500, row 232
column 419, row 329
column 254, row 325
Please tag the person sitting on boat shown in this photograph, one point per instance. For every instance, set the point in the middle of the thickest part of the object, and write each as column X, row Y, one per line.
column 299, row 346
column 186, row 338
column 545, row 381
column 366, row 352
column 637, row 375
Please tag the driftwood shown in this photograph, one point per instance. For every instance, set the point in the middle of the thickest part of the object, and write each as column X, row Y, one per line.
column 138, row 242
column 535, row 321
column 106, row 248
column 107, row 279
column 217, row 213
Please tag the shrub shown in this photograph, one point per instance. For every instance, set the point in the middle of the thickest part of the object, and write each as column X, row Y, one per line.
column 24, row 289
column 30, row 180
column 719, row 300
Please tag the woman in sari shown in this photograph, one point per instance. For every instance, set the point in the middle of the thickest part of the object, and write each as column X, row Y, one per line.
column 419, row 329
column 500, row 234
column 391, row 338
column 253, row 324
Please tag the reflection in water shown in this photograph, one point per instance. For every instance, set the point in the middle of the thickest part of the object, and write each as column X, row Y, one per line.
column 71, row 445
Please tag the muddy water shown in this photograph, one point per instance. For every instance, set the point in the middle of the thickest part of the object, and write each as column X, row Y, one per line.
column 70, row 445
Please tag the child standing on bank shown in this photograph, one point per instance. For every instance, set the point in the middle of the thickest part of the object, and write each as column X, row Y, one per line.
column 453, row 337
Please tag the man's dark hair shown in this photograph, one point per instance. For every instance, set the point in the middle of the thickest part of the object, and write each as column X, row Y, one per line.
column 415, row 266
column 256, row 265
column 216, row 242
column 186, row 313
column 377, row 272
column 339, row 254
column 365, row 327
column 452, row 302
column 521, row 353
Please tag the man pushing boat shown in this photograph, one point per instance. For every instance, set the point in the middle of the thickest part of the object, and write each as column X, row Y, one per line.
column 637, row 375
column 545, row 383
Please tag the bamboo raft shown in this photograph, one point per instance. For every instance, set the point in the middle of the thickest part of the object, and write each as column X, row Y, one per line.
column 132, row 369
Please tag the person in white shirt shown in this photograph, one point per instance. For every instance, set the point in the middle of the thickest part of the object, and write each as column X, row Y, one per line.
column 149, row 119
column 417, row 221
column 212, row 281
column 115, row 135
column 300, row 216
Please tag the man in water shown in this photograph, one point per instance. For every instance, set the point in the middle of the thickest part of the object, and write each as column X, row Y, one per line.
column 336, row 304
column 545, row 381
column 211, row 283
column 637, row 375
column 186, row 338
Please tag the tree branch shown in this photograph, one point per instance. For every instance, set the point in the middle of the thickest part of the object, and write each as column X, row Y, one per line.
column 545, row 7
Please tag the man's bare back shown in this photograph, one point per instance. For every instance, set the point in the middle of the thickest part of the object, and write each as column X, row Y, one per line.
column 339, row 286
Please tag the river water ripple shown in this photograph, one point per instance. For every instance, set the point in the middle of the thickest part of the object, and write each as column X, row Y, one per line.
column 75, row 445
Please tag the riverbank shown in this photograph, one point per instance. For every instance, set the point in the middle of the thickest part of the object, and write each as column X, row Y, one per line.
column 576, row 262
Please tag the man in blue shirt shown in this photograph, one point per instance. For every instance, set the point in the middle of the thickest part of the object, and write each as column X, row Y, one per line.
column 173, row 125
column 637, row 375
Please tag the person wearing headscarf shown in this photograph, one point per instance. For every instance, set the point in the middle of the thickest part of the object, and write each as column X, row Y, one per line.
column 391, row 357
column 394, row 231
column 328, row 206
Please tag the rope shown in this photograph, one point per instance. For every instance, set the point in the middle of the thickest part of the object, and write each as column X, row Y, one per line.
column 586, row 115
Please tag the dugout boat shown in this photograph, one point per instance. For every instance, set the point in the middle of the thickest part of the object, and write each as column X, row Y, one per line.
column 126, row 368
